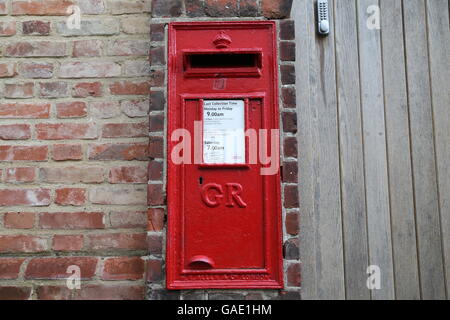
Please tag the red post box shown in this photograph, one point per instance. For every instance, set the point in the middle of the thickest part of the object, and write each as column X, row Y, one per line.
column 223, row 183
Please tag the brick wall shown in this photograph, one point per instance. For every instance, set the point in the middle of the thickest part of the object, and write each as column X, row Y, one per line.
column 82, row 146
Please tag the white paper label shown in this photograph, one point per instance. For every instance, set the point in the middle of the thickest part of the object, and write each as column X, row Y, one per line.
column 223, row 132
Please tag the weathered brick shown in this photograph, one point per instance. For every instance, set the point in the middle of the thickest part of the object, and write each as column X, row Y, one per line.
column 91, row 6
column 157, row 30
column 164, row 294
column 155, row 194
column 24, row 197
column 15, row 132
column 290, row 171
column 156, row 219
column 125, row 47
column 36, row 49
column 125, row 130
column 290, row 147
column 20, row 110
column 22, row 244
column 7, row 28
column 155, row 170
column 130, row 88
column 133, row 241
column 110, row 292
column 157, row 78
column 166, row 8
column 19, row 90
column 287, row 74
column 289, row 97
column 75, row 109
column 41, row 7
column 36, row 27
column 87, row 89
column 7, row 70
column 56, row 268
column 123, row 268
column 66, row 131
column 128, row 174
column 135, row 25
column 3, row 7
column 291, row 196
column 291, row 249
column 10, row 268
column 155, row 244
column 287, row 30
column 23, row 174
column 137, row 68
column 287, row 51
column 156, row 123
column 156, row 147
column 67, row 242
column 158, row 55
column 104, row 109
column 135, row 108
column 104, row 27
column 87, row 48
column 128, row 219
column 29, row 153
column 19, row 220
column 53, row 89
column 125, row 195
column 157, row 100
column 72, row 174
column 70, row 196
column 118, row 151
column 276, row 9
column 64, row 152
column 221, row 8
column 36, row 70
column 97, row 69
column 53, row 293
column 194, row 8
column 290, row 122
column 15, row 293
column 126, row 6
column 248, row 8
column 71, row 220
column 154, row 270
column 293, row 275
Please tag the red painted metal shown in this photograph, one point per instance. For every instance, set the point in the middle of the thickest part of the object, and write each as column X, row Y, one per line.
column 224, row 220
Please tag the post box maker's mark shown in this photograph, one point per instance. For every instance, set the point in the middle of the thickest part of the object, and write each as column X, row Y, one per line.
column 212, row 193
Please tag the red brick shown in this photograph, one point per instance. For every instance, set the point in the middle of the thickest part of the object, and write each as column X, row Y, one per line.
column 71, row 220
column 290, row 171
column 67, row 242
column 130, row 88
column 157, row 100
column 134, row 241
column 166, row 8
column 36, row 70
column 70, row 196
column 155, row 195
column 289, row 97
column 154, row 270
column 287, row 74
column 118, row 151
column 156, row 123
column 125, row 130
column 248, row 8
column 15, row 132
column 221, row 8
column 24, row 197
column 21, row 110
column 156, row 219
column 87, row 48
column 157, row 78
column 53, row 293
column 22, row 243
column 291, row 249
column 276, row 9
column 87, row 89
column 110, row 292
column 155, row 170
column 36, row 49
column 23, row 174
column 7, row 70
column 293, row 275
column 7, row 28
column 156, row 147
column 17, row 153
column 19, row 90
column 10, row 268
column 128, row 174
column 123, row 268
column 291, row 196
column 36, row 27
column 53, row 89
column 72, row 174
column 128, row 219
column 56, row 268
column 287, row 30
column 19, row 220
column 157, row 32
column 155, row 244
column 15, row 293
column 123, row 195
column 292, row 223
column 66, row 131
column 63, row 152
column 290, row 147
column 287, row 51
column 41, row 7
column 290, row 122
column 75, row 109
column 91, row 69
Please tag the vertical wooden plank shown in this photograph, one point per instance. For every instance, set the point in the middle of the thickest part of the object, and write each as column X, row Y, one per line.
column 351, row 152
column 321, row 235
column 399, row 153
column 423, row 151
column 376, row 172
column 439, row 48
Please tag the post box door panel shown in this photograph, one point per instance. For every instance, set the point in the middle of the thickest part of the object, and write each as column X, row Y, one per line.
column 224, row 215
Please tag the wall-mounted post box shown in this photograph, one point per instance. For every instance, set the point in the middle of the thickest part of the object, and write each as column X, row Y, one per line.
column 223, row 183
